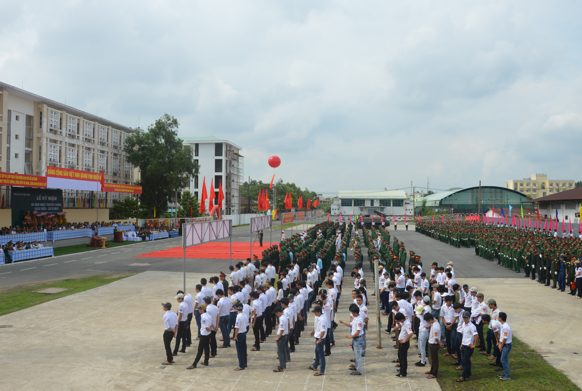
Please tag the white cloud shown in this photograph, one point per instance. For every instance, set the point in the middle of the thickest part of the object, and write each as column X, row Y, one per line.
column 349, row 94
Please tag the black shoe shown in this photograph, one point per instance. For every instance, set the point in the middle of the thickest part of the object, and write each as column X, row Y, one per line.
column 498, row 369
column 182, row 351
column 400, row 375
column 493, row 364
column 420, row 364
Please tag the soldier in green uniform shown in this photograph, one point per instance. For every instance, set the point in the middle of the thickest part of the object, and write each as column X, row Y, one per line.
column 554, row 271
column 571, row 275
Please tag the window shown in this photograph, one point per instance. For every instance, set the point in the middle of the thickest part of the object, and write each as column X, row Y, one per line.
column 39, row 153
column 527, row 185
column 218, row 149
column 16, row 155
column 196, row 149
column 196, row 194
column 544, row 193
column 196, row 161
column 551, row 185
column 346, row 202
column 359, row 202
column 103, row 134
column 40, row 120
column 385, row 203
column 16, row 137
column 196, row 181
column 218, row 165
column 217, row 181
column 72, row 157
column 88, row 133
column 28, row 163
column 88, row 159
column 17, row 118
column 521, row 184
column 28, row 132
column 54, row 119
column 397, row 202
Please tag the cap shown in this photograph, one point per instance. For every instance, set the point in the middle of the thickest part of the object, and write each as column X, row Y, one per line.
column 167, row 305
column 419, row 309
column 426, row 299
column 222, row 274
column 473, row 289
column 481, row 295
column 238, row 306
column 202, row 307
column 492, row 302
column 449, row 263
column 466, row 314
column 362, row 281
column 290, row 296
column 386, row 273
column 180, row 296
column 231, row 267
column 234, row 301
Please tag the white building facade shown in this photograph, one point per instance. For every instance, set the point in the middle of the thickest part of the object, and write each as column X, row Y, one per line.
column 355, row 202
column 220, row 161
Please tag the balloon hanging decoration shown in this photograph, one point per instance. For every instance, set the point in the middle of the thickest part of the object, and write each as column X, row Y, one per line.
column 274, row 161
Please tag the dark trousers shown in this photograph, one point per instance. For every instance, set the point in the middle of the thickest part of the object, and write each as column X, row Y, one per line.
column 434, row 357
column 259, row 332
column 168, row 336
column 268, row 320
column 213, row 343
column 384, row 297
column 223, row 324
column 197, row 317
column 273, row 317
column 241, row 349
column 481, row 339
column 231, row 322
column 562, row 281
column 328, row 343
column 416, row 326
column 403, row 357
column 490, row 340
column 181, row 337
column 457, row 346
column 282, row 352
column 292, row 340
column 189, row 330
column 203, row 346
column 449, row 338
column 497, row 354
column 467, row 352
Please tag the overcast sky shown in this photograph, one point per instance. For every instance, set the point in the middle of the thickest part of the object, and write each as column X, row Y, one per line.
column 350, row 94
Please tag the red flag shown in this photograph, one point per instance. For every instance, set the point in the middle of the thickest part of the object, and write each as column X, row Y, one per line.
column 203, row 197
column 267, row 205
column 290, row 201
column 190, row 211
column 563, row 226
column 308, row 203
column 405, row 218
column 315, row 203
column 259, row 201
column 433, row 218
column 328, row 217
column 538, row 207
column 570, row 225
column 300, row 202
column 419, row 218
column 381, row 218
column 394, row 217
column 457, row 217
column 211, row 195
column 102, row 180
column 443, row 219
column 272, row 179
column 220, row 195
column 546, row 223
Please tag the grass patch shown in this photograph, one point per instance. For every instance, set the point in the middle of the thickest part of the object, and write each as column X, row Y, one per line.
column 529, row 371
column 81, row 248
column 19, row 297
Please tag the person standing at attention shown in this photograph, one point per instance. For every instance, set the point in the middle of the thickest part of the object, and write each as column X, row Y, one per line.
column 182, row 324
column 319, row 332
column 468, row 343
column 204, row 344
column 240, row 336
column 171, row 325
column 504, row 345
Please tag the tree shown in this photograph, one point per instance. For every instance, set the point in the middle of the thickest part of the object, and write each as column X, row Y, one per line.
column 429, row 192
column 126, row 209
column 578, row 184
column 282, row 189
column 165, row 164
column 188, row 203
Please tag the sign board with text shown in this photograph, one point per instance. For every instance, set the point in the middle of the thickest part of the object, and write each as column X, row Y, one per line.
column 287, row 218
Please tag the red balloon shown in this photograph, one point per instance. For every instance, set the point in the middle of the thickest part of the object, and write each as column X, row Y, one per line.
column 274, row 161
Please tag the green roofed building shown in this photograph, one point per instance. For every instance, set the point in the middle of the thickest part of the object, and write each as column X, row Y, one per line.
column 369, row 202
column 473, row 199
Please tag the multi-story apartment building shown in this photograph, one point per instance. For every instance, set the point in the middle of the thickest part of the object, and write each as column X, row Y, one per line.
column 36, row 132
column 539, row 185
column 221, row 162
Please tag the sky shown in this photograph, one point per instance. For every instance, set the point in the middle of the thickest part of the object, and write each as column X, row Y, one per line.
column 351, row 95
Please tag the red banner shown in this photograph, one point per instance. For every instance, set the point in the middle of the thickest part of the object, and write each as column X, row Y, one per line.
column 287, row 218
column 300, row 215
column 9, row 179
column 67, row 173
column 121, row 188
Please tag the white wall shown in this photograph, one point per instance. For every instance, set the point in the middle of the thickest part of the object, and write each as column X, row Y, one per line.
column 206, row 160
column 241, row 219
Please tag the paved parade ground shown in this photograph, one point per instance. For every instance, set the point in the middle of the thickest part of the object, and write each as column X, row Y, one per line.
column 111, row 337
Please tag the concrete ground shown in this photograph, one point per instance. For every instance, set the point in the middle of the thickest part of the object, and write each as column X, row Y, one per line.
column 111, row 338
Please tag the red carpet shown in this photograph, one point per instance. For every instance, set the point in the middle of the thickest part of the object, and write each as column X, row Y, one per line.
column 214, row 250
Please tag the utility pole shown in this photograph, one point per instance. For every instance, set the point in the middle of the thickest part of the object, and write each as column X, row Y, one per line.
column 249, row 197
column 479, row 200
column 413, row 202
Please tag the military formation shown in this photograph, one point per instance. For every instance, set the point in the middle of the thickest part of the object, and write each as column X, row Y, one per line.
column 541, row 255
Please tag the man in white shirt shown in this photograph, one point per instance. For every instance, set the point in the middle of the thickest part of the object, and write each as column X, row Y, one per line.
column 182, row 324
column 479, row 309
column 281, row 339
column 204, row 344
column 224, row 306
column 198, row 300
column 505, row 341
column 404, row 337
column 271, row 272
column 448, row 319
column 495, row 327
column 364, row 316
column 234, row 279
column 257, row 322
column 358, row 329
column 258, row 281
column 434, row 342
column 170, row 330
column 206, row 290
column 290, row 315
column 494, row 313
column 468, row 342
column 240, row 335
column 319, row 332
column 190, row 301
column 212, row 311
column 400, row 281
